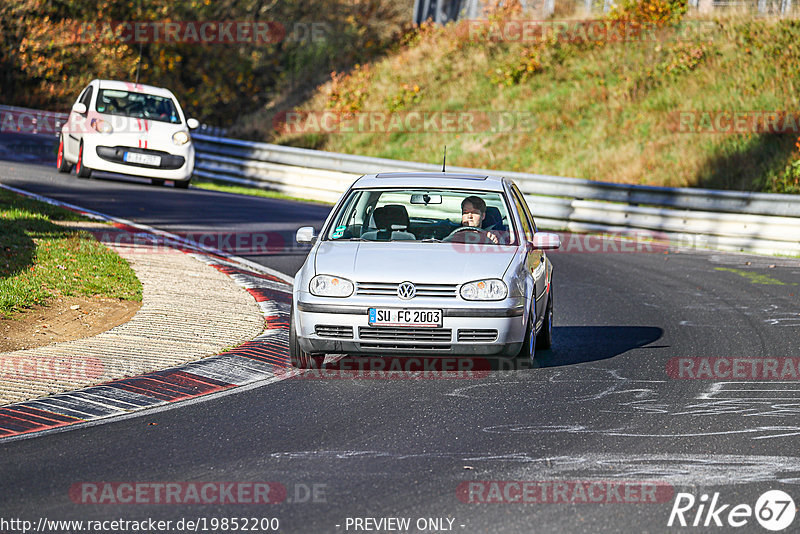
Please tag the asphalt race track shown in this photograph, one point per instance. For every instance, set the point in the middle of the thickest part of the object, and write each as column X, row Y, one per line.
column 605, row 404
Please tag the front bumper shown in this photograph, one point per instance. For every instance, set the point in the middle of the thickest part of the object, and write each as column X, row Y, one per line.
column 106, row 155
column 491, row 328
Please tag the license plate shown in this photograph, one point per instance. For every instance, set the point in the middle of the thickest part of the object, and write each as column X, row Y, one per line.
column 144, row 159
column 405, row 317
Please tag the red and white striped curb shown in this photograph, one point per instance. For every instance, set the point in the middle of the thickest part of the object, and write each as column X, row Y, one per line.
column 265, row 357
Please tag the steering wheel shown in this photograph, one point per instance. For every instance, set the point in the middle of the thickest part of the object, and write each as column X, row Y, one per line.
column 460, row 231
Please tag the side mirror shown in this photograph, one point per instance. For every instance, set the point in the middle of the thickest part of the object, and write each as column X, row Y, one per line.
column 546, row 241
column 193, row 123
column 305, row 235
column 79, row 107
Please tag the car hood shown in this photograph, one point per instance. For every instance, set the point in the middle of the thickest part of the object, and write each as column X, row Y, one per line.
column 434, row 263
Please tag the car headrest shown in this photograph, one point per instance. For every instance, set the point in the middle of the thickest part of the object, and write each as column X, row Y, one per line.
column 390, row 214
column 492, row 217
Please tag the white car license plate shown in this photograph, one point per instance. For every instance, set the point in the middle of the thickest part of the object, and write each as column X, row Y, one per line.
column 405, row 317
column 144, row 159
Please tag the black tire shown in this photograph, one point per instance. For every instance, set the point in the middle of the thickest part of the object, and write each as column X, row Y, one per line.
column 182, row 184
column 61, row 162
column 157, row 181
column 300, row 358
column 80, row 169
column 528, row 349
column 545, row 338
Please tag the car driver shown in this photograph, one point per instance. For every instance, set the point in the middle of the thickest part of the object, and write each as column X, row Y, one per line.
column 473, row 212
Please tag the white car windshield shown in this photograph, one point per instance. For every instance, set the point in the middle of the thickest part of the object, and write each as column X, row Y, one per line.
column 429, row 215
column 137, row 105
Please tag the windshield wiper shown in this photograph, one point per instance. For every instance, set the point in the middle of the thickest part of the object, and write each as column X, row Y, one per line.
column 431, row 240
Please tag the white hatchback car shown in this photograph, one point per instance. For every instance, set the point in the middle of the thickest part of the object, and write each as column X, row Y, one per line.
column 130, row 129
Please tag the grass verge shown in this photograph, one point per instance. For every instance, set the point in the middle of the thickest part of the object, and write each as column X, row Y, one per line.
column 40, row 260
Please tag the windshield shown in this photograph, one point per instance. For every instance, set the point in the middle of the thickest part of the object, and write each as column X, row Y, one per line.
column 137, row 105
column 429, row 215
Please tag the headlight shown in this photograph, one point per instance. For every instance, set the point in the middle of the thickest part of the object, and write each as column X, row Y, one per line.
column 331, row 286
column 180, row 138
column 102, row 126
column 492, row 289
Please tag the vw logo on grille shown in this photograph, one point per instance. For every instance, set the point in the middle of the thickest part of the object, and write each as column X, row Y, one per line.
column 406, row 291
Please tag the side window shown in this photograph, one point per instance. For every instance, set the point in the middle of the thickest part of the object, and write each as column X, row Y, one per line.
column 527, row 209
column 523, row 216
column 87, row 96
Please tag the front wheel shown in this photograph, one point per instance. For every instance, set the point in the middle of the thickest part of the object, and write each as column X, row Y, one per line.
column 545, row 338
column 80, row 169
column 528, row 349
column 300, row 358
column 61, row 163
column 157, row 182
column 182, row 184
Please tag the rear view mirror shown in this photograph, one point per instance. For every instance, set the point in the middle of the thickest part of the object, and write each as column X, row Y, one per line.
column 546, row 241
column 79, row 108
column 305, row 235
column 426, row 199
column 193, row 123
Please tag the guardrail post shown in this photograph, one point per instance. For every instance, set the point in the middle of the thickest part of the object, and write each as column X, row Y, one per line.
column 472, row 10
column 421, row 10
column 549, row 8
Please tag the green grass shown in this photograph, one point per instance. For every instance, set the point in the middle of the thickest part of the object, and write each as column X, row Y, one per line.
column 40, row 260
column 252, row 191
column 601, row 112
column 754, row 278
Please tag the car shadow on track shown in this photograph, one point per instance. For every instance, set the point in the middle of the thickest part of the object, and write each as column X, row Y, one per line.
column 581, row 344
column 571, row 345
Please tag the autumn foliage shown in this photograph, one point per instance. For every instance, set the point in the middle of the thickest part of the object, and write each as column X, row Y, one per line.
column 45, row 59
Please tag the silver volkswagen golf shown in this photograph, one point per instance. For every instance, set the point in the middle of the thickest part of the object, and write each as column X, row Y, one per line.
column 424, row 263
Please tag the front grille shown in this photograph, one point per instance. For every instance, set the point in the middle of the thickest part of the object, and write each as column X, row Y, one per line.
column 342, row 332
column 477, row 336
column 390, row 334
column 423, row 290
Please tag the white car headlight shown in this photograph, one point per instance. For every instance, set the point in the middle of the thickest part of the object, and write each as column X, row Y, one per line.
column 492, row 289
column 102, row 126
column 180, row 138
column 324, row 285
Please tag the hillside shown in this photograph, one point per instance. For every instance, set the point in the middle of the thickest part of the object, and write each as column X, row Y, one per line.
column 607, row 108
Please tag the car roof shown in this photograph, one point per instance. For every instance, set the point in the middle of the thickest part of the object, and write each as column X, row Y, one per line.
column 135, row 87
column 437, row 180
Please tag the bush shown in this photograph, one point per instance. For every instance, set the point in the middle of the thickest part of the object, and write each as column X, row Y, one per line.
column 789, row 181
column 347, row 91
column 406, row 96
column 658, row 12
column 519, row 68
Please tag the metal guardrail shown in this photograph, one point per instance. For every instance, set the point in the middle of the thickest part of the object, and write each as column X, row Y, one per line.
column 444, row 11
column 31, row 121
column 730, row 220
